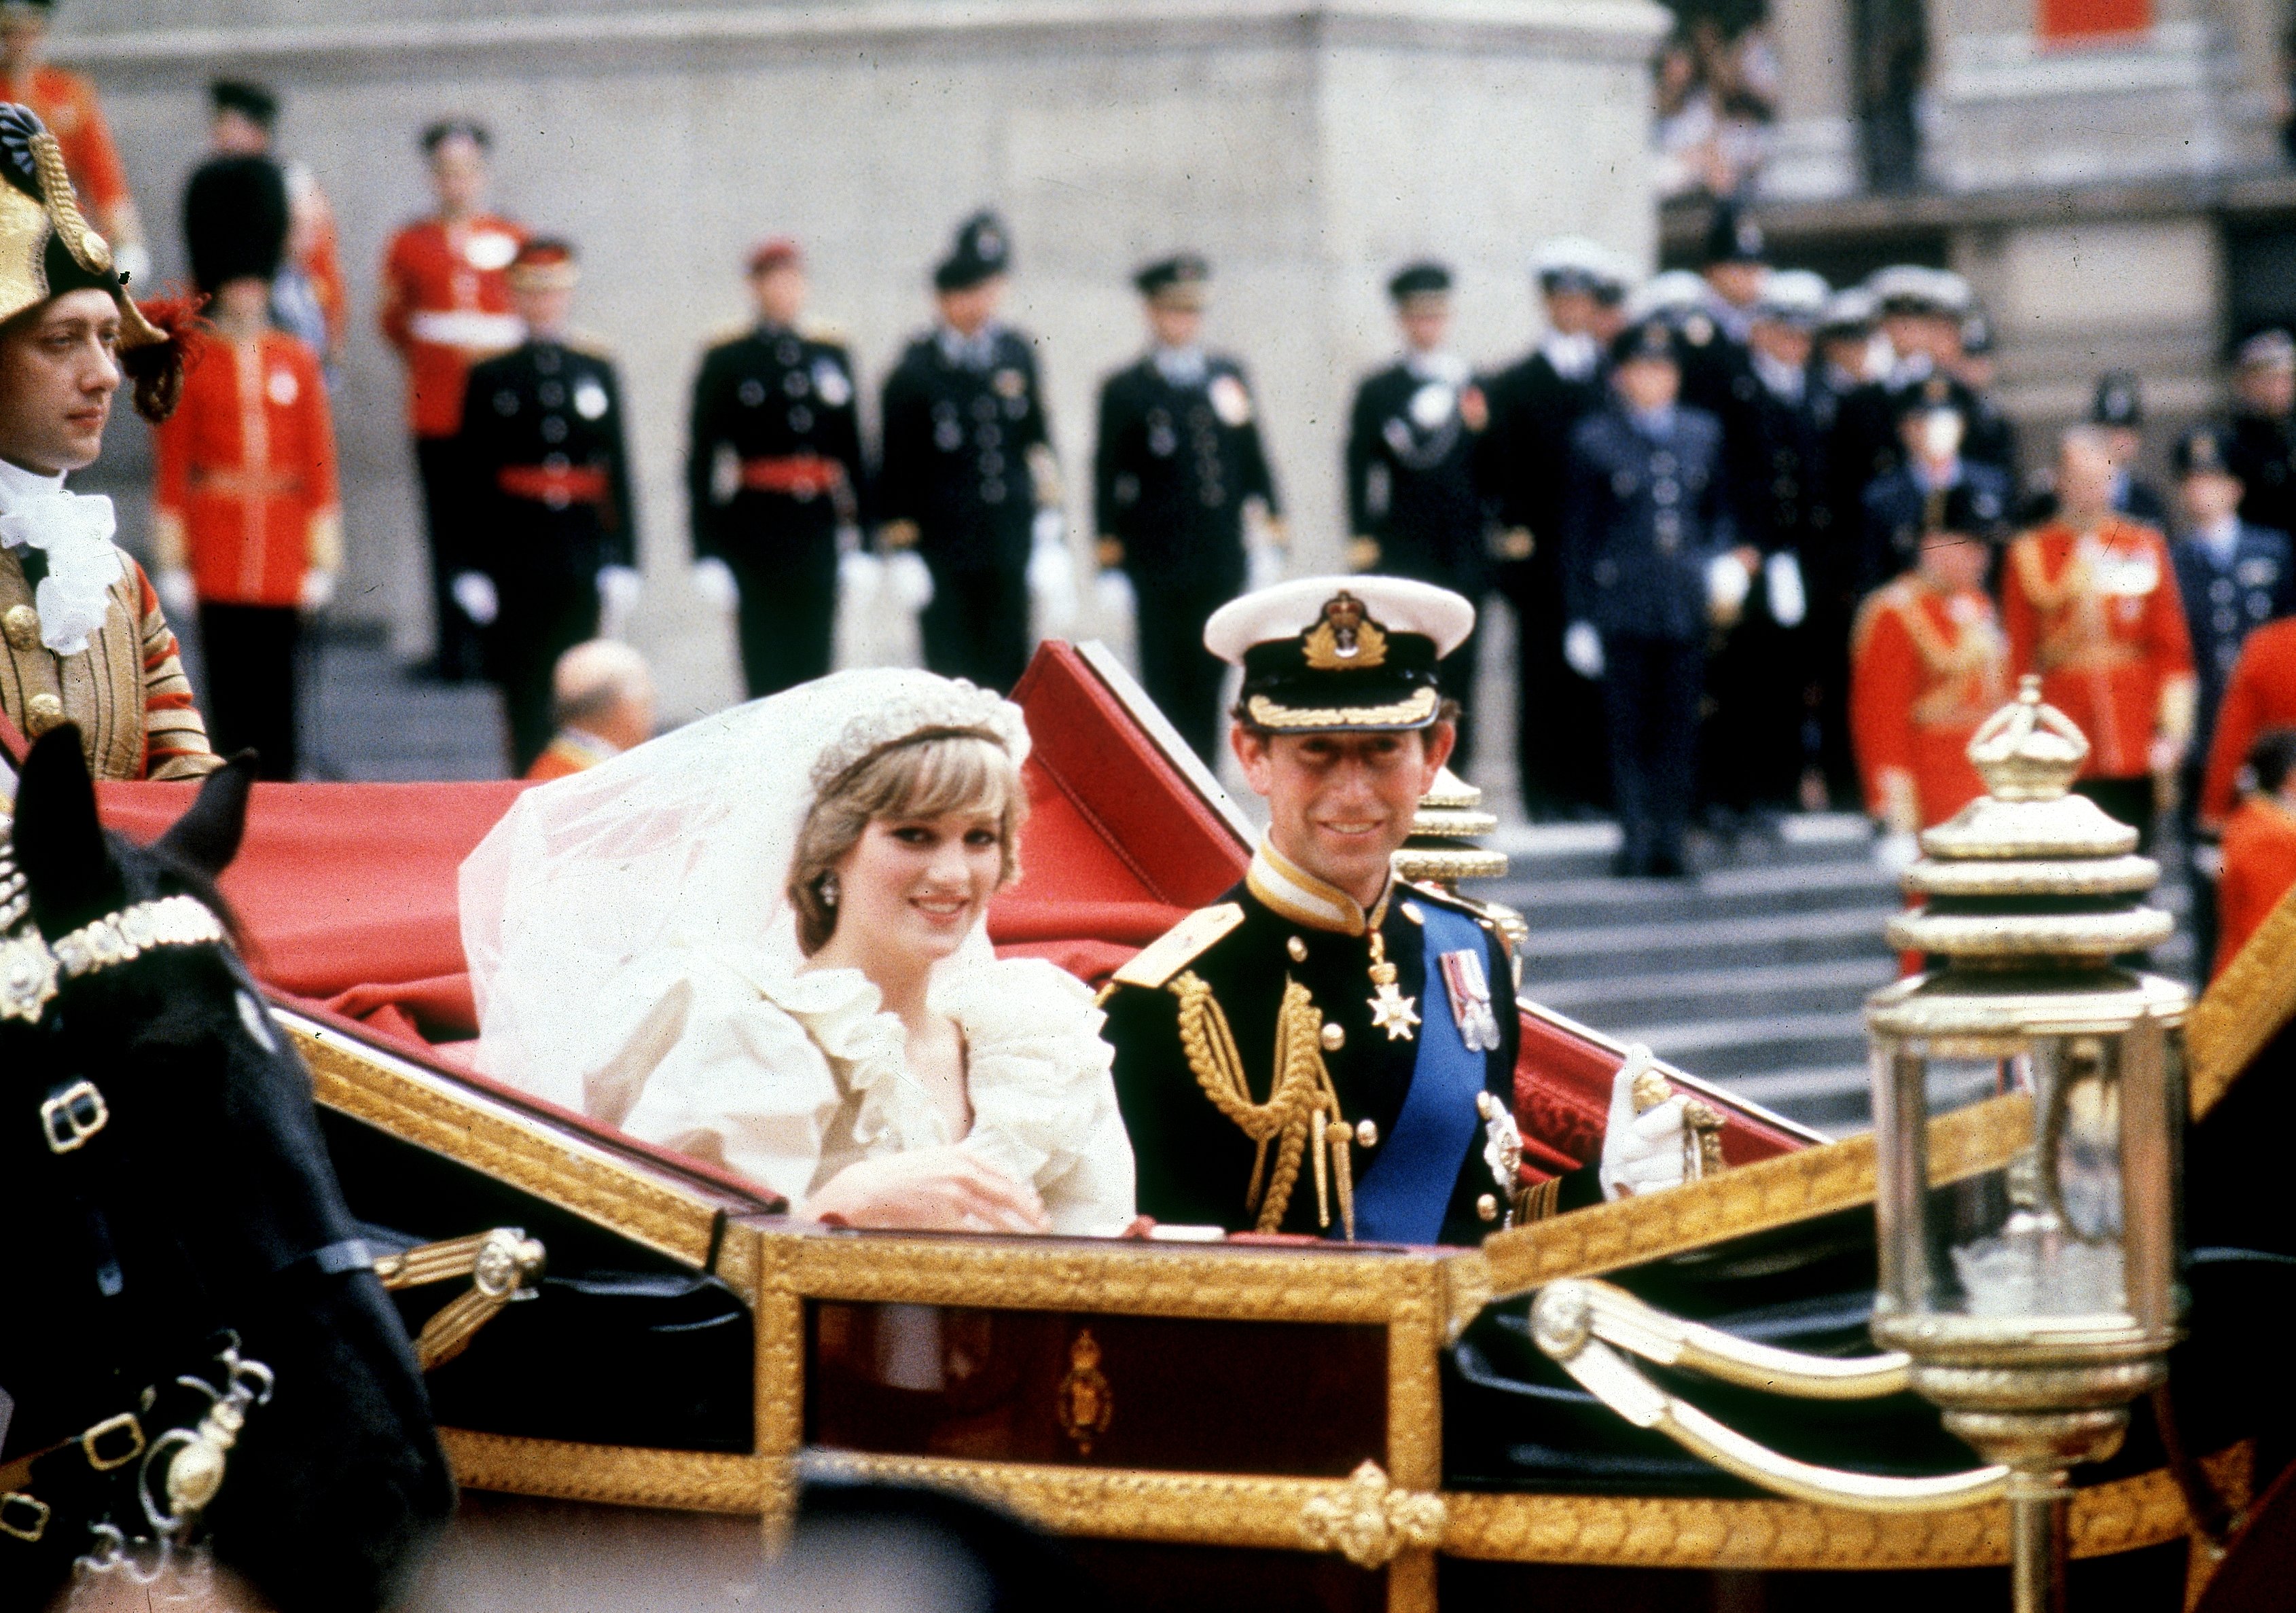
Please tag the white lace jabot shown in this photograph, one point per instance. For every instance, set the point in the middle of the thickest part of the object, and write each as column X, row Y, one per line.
column 74, row 531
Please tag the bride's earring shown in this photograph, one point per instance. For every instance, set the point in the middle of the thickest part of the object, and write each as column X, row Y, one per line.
column 829, row 890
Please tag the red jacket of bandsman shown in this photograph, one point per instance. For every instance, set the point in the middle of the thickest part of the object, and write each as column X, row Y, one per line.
column 246, row 496
column 445, row 303
column 2097, row 615
column 2259, row 869
column 2260, row 695
column 1927, row 666
column 66, row 102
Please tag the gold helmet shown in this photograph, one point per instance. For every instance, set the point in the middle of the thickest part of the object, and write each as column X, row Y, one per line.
column 47, row 250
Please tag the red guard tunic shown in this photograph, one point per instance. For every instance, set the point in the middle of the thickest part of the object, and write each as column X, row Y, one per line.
column 2259, row 868
column 246, row 495
column 2097, row 616
column 66, row 103
column 2261, row 696
column 1926, row 668
column 445, row 303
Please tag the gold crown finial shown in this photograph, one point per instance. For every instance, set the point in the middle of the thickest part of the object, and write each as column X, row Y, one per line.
column 2028, row 750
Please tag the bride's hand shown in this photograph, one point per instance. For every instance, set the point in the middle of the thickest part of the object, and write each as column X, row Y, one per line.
column 929, row 1190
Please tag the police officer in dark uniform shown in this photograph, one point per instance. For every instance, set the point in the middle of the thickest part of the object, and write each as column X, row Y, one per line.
column 1752, row 744
column 772, row 469
column 1647, row 520
column 1535, row 404
column 2232, row 577
column 968, row 464
column 1414, row 503
column 547, row 521
column 1830, row 557
column 1178, row 459
column 2262, row 451
column 2118, row 410
column 1327, row 1050
column 1899, row 505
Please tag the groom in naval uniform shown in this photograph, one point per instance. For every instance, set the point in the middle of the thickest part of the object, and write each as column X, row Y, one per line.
column 1328, row 1050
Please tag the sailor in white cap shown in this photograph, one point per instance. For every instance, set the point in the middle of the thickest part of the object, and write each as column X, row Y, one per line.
column 1329, row 1049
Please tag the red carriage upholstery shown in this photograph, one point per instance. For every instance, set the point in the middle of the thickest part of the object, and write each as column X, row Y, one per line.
column 346, row 893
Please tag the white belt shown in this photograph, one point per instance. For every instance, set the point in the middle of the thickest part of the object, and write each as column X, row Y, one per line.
column 468, row 328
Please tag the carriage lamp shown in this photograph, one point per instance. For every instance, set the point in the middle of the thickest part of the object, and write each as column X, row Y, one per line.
column 2033, row 1284
column 2027, row 1100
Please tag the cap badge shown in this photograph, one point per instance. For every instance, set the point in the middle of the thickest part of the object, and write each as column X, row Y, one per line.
column 1344, row 639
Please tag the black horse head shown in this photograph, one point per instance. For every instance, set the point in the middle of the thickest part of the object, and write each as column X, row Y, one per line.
column 189, row 1198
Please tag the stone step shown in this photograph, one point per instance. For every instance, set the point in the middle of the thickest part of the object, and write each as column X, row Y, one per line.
column 1733, row 892
column 1585, row 850
column 1611, row 951
column 1620, row 1002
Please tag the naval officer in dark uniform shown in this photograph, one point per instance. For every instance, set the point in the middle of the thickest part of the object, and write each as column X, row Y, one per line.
column 547, row 523
column 1327, row 1050
column 1179, row 458
column 772, row 469
column 2262, row 448
column 1415, row 503
column 1536, row 404
column 1646, row 522
column 968, row 464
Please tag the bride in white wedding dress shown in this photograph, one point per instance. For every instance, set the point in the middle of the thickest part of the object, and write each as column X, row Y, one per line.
column 758, row 940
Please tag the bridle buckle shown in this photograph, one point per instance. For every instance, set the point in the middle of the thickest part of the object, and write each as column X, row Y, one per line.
column 24, row 1517
column 93, row 1442
column 73, row 1113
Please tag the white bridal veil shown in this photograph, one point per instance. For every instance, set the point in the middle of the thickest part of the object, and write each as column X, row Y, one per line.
column 684, row 841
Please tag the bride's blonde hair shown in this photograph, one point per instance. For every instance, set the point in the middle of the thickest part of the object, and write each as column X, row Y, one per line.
column 930, row 773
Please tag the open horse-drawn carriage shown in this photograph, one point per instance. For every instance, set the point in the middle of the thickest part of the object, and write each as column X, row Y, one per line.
column 633, row 1386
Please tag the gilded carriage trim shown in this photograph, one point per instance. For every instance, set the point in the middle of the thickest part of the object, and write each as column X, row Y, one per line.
column 1109, row 1275
column 626, row 1475
column 416, row 1106
column 1273, row 1514
column 2243, row 1008
column 1616, row 1531
column 1754, row 1198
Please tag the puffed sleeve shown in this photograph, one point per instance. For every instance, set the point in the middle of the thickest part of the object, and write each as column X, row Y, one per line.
column 714, row 1070
column 1044, row 1104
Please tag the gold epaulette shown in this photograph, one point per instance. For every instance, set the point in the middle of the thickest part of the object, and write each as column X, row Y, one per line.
column 1169, row 954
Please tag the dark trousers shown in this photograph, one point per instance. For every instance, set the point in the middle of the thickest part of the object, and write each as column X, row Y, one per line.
column 1751, row 744
column 250, row 698
column 786, row 617
column 460, row 653
column 2130, row 800
column 522, row 651
column 2199, row 885
column 1561, row 745
column 1650, row 688
column 1179, row 673
column 977, row 626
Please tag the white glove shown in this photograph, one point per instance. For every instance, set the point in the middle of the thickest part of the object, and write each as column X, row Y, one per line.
column 474, row 591
column 1782, row 575
column 1894, row 853
column 1582, row 647
column 859, row 575
column 1051, row 578
column 1642, row 1153
column 618, row 587
column 318, row 590
column 1264, row 567
column 1113, row 596
column 908, row 580
column 1728, row 584
column 714, row 585
column 177, row 595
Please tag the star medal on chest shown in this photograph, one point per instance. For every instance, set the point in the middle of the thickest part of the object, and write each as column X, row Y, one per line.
column 1391, row 1010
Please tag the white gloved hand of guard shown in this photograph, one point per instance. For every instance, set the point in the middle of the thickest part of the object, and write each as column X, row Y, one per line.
column 859, row 575
column 1113, row 596
column 908, row 579
column 1264, row 567
column 1642, row 1153
column 1728, row 584
column 1052, row 576
column 318, row 590
column 1582, row 647
column 1894, row 852
column 1789, row 600
column 714, row 585
column 177, row 594
column 619, row 588
column 474, row 592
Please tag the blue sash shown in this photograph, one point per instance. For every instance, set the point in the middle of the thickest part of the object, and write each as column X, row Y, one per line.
column 1402, row 1197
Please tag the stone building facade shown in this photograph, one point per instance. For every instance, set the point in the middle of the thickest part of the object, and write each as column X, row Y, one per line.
column 1305, row 146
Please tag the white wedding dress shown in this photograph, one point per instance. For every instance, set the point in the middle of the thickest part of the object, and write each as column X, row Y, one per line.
column 633, row 957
